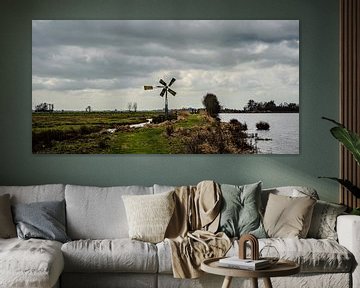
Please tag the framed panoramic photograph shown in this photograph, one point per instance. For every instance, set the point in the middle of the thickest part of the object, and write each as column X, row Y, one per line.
column 165, row 86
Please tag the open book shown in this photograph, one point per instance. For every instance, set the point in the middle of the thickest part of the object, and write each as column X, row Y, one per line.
column 236, row 262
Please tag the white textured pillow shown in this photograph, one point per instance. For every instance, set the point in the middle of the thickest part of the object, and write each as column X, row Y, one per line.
column 149, row 215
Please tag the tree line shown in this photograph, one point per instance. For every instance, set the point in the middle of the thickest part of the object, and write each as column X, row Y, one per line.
column 253, row 106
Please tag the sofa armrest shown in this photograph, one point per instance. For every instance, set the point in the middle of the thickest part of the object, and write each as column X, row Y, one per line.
column 348, row 230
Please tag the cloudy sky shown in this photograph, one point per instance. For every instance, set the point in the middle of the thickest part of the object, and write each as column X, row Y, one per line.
column 105, row 64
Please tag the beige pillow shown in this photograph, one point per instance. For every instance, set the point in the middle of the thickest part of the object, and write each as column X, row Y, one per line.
column 149, row 215
column 288, row 217
column 7, row 226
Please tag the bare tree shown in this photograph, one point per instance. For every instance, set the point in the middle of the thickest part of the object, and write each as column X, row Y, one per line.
column 134, row 106
column 129, row 105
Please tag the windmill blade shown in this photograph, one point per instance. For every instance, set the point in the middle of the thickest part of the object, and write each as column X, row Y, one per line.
column 162, row 82
column 147, row 87
column 172, row 92
column 162, row 92
column 172, row 81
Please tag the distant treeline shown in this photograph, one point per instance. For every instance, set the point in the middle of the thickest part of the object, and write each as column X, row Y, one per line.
column 271, row 107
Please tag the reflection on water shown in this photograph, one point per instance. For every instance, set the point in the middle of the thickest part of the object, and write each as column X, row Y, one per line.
column 284, row 130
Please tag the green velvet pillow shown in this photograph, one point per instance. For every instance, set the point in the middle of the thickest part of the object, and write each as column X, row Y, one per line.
column 240, row 212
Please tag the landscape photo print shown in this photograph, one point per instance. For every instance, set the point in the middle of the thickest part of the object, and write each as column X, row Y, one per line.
column 165, row 86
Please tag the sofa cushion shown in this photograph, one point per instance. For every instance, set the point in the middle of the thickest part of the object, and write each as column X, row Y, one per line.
column 30, row 263
column 43, row 220
column 7, row 226
column 36, row 193
column 323, row 222
column 313, row 255
column 164, row 257
column 98, row 213
column 149, row 215
column 163, row 188
column 240, row 210
column 287, row 216
column 291, row 191
column 117, row 255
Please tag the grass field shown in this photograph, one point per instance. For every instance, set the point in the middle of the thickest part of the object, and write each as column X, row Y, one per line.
column 86, row 133
column 112, row 133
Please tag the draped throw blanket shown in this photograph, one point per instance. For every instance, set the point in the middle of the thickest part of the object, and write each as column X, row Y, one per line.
column 191, row 231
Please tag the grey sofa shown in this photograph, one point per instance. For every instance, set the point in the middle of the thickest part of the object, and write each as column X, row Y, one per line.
column 101, row 254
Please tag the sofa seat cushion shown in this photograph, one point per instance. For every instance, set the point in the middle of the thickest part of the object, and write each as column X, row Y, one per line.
column 30, row 263
column 115, row 255
column 313, row 255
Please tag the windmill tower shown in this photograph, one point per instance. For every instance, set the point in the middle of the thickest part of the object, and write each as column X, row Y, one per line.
column 164, row 91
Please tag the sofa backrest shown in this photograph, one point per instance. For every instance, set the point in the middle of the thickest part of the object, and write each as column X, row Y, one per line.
column 36, row 193
column 98, row 212
column 163, row 188
column 293, row 191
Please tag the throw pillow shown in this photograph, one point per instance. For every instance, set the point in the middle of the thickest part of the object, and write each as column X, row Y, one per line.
column 240, row 213
column 7, row 227
column 149, row 215
column 323, row 222
column 288, row 217
column 44, row 220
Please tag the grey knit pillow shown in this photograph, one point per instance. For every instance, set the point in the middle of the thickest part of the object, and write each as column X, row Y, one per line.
column 43, row 220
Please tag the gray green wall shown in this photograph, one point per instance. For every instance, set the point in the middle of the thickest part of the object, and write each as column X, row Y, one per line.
column 318, row 97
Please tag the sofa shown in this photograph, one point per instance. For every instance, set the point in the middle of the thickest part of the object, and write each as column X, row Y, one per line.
column 101, row 254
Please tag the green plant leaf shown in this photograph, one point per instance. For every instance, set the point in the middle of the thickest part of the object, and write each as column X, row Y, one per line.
column 348, row 185
column 348, row 138
column 355, row 211
column 333, row 121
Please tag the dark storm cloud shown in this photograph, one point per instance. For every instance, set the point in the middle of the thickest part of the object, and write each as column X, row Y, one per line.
column 85, row 50
column 113, row 59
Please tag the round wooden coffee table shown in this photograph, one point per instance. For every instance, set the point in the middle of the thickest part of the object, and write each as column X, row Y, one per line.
column 281, row 268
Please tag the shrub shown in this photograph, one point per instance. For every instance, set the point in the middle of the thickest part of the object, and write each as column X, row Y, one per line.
column 239, row 125
column 262, row 125
column 169, row 130
column 217, row 138
column 161, row 118
column 103, row 143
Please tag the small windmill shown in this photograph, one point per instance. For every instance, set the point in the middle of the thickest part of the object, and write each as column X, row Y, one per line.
column 164, row 91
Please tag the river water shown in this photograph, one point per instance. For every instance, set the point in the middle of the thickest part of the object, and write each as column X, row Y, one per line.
column 284, row 130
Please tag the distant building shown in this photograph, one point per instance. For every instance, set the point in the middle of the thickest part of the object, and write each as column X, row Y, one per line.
column 44, row 107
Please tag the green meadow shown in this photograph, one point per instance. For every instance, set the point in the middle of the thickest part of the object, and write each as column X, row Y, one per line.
column 88, row 132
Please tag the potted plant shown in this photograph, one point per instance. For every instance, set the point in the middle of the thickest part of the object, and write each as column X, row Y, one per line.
column 351, row 141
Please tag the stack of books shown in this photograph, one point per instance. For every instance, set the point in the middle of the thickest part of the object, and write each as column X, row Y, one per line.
column 248, row 264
